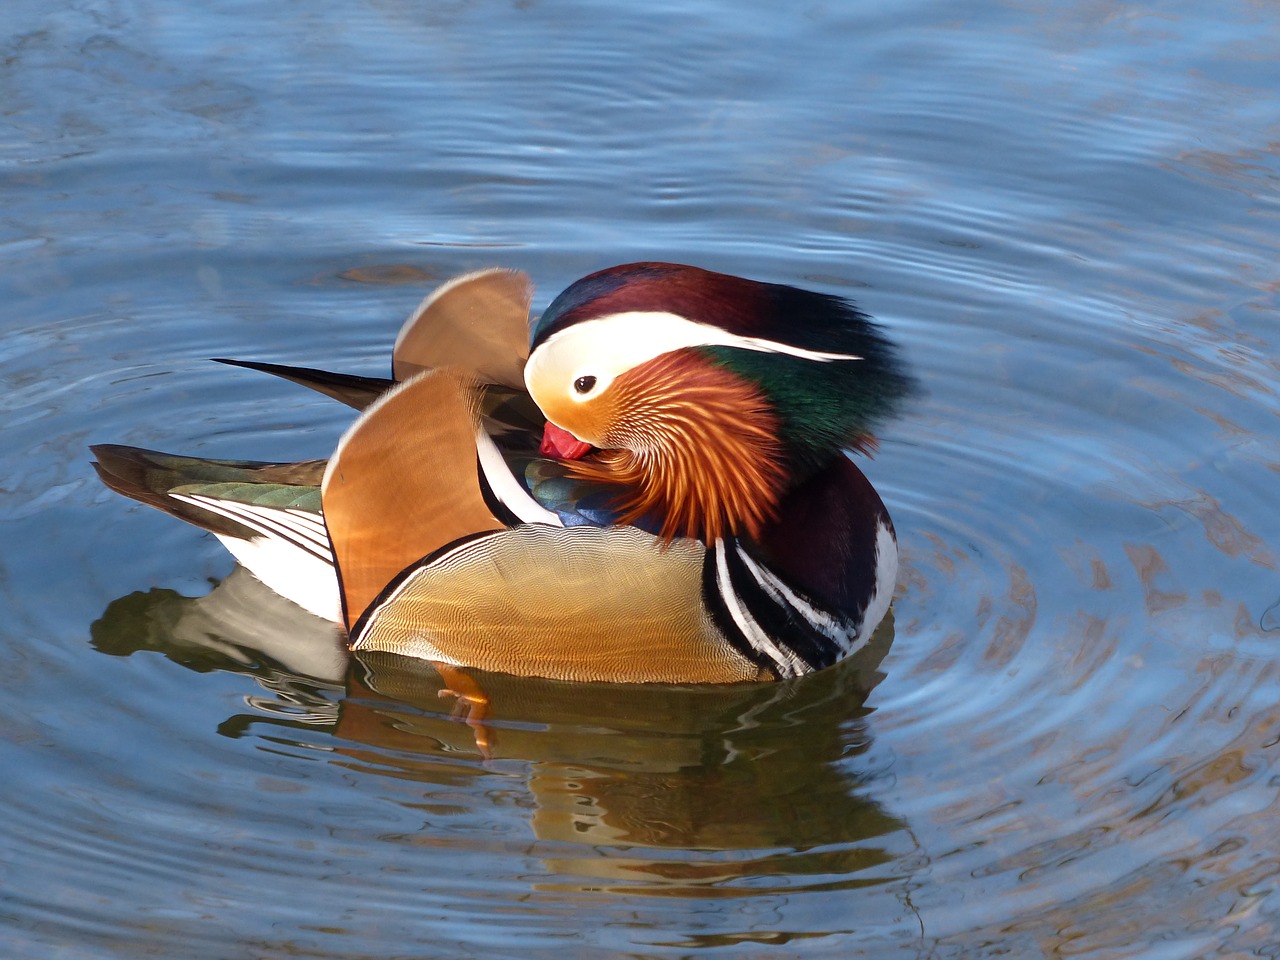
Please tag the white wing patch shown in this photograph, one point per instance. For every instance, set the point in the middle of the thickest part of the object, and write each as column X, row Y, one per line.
column 291, row 553
column 302, row 528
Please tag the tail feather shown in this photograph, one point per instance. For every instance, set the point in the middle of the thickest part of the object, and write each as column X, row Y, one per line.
column 154, row 478
column 478, row 322
column 354, row 391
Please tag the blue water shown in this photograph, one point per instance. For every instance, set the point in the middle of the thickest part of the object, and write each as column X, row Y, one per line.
column 1066, row 214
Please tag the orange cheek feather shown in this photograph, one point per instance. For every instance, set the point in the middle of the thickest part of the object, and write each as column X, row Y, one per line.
column 692, row 443
column 570, row 422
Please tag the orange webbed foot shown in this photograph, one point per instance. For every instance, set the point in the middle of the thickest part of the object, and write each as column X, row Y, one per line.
column 471, row 704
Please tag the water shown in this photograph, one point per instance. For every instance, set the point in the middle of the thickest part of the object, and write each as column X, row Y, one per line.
column 1065, row 213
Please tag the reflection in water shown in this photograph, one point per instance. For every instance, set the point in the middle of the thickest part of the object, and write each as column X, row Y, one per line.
column 1077, row 245
column 633, row 788
column 240, row 625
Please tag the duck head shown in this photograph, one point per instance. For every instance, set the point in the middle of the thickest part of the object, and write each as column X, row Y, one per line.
column 708, row 396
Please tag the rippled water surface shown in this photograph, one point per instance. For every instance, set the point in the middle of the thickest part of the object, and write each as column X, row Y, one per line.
column 1066, row 213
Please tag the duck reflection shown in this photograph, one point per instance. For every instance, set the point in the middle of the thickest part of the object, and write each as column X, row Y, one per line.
column 633, row 768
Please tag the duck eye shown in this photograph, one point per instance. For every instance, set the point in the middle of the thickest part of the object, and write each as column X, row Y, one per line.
column 584, row 384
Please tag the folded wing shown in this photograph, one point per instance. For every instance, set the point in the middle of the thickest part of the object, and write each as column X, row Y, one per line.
column 403, row 483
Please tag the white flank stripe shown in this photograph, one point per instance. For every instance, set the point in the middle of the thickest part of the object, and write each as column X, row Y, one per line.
column 820, row 620
column 886, row 581
column 788, row 664
column 460, row 548
column 293, row 573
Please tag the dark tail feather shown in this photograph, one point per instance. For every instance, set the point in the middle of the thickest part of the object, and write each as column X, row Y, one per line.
column 149, row 477
column 347, row 388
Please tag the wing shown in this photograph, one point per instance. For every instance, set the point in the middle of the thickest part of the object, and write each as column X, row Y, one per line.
column 266, row 514
column 478, row 322
column 403, row 483
column 576, row 501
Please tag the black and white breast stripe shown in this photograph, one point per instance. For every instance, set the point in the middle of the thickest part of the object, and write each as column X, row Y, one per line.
column 767, row 620
column 502, row 492
column 301, row 528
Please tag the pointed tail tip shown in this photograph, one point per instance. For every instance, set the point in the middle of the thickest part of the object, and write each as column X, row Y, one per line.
column 247, row 364
column 108, row 454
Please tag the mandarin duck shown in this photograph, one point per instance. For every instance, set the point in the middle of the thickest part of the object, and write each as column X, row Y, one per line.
column 650, row 483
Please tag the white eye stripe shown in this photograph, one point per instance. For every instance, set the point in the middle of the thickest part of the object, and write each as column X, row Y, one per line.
column 658, row 332
column 607, row 346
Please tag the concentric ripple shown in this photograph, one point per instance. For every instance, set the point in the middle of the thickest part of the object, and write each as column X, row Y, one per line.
column 1063, row 742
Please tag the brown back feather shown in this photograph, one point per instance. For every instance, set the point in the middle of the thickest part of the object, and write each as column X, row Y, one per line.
column 403, row 483
column 478, row 322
